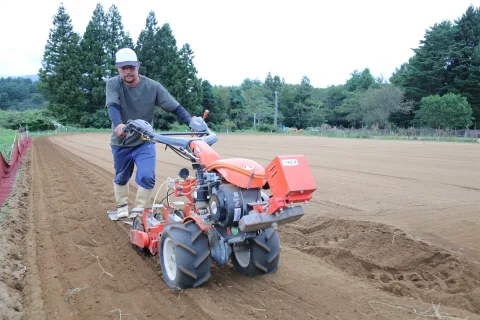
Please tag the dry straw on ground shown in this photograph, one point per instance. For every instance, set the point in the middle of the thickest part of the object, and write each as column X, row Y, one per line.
column 432, row 313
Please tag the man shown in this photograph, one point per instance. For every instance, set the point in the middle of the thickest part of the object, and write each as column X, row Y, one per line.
column 130, row 96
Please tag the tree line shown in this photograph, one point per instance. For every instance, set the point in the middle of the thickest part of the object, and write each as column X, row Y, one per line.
column 438, row 86
column 19, row 94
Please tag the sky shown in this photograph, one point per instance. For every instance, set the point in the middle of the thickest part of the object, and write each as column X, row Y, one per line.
column 234, row 40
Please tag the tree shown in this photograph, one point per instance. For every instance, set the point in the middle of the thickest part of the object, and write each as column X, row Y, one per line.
column 446, row 61
column 222, row 99
column 398, row 76
column 190, row 86
column 257, row 106
column 167, row 61
column 466, row 39
column 117, row 38
column 35, row 119
column 237, row 106
column 286, row 102
column 376, row 105
column 429, row 70
column 360, row 81
column 470, row 85
column 61, row 64
column 3, row 101
column 334, row 99
column 216, row 114
column 273, row 83
column 19, row 94
column 466, row 55
column 301, row 110
column 95, row 59
column 147, row 47
column 250, row 83
column 447, row 111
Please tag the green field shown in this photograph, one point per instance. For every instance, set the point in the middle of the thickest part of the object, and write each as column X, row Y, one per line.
column 6, row 142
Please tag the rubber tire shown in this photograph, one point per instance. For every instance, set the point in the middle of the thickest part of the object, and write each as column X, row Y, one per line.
column 264, row 255
column 191, row 255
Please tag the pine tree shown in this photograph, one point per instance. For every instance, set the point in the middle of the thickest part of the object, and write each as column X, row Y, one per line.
column 273, row 83
column 117, row 38
column 398, row 76
column 167, row 61
column 467, row 38
column 466, row 54
column 147, row 48
column 236, row 108
column 360, row 81
column 190, row 90
column 61, row 66
column 305, row 111
column 95, row 60
column 429, row 71
column 216, row 114
column 471, row 87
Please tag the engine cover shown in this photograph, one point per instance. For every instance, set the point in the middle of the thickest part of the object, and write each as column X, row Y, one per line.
column 229, row 203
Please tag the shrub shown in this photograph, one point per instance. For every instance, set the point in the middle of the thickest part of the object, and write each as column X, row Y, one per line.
column 267, row 128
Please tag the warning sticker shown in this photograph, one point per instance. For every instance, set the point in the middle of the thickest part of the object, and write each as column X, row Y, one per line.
column 237, row 214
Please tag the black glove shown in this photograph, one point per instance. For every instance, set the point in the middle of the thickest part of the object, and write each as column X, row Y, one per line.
column 197, row 124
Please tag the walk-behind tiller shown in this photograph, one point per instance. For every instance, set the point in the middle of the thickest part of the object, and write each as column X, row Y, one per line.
column 227, row 215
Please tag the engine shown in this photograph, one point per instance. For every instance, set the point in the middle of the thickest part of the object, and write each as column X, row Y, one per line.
column 225, row 203
column 229, row 203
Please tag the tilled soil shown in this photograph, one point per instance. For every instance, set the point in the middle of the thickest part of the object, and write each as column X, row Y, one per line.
column 392, row 228
column 392, row 260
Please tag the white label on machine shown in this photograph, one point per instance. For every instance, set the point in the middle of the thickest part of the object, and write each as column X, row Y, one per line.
column 290, row 162
column 237, row 212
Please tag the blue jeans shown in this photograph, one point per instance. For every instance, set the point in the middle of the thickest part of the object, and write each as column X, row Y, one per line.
column 143, row 156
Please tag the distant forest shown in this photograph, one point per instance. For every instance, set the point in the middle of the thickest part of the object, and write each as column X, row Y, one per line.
column 437, row 87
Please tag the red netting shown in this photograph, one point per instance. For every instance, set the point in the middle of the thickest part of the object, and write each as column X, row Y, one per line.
column 8, row 170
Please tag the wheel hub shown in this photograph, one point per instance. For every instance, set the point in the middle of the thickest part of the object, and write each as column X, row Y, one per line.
column 169, row 257
column 242, row 254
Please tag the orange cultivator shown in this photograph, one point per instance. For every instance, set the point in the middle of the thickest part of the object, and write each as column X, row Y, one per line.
column 227, row 217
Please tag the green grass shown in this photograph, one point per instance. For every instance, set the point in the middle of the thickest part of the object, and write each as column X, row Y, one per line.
column 6, row 142
column 358, row 135
column 66, row 130
column 378, row 136
column 6, row 136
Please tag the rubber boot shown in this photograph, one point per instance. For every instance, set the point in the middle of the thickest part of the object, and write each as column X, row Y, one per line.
column 121, row 197
column 143, row 198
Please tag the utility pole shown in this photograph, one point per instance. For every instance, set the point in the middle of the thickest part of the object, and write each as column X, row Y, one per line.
column 276, row 109
column 254, row 119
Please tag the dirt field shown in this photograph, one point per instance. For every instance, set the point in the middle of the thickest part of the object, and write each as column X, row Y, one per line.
column 393, row 228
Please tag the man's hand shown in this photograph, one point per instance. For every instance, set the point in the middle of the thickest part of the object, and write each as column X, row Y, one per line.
column 197, row 124
column 119, row 130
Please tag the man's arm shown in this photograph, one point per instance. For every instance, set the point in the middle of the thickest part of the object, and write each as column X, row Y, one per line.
column 112, row 103
column 114, row 114
column 168, row 103
column 182, row 115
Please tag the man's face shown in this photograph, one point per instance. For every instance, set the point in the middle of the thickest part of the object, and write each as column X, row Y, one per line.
column 129, row 74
